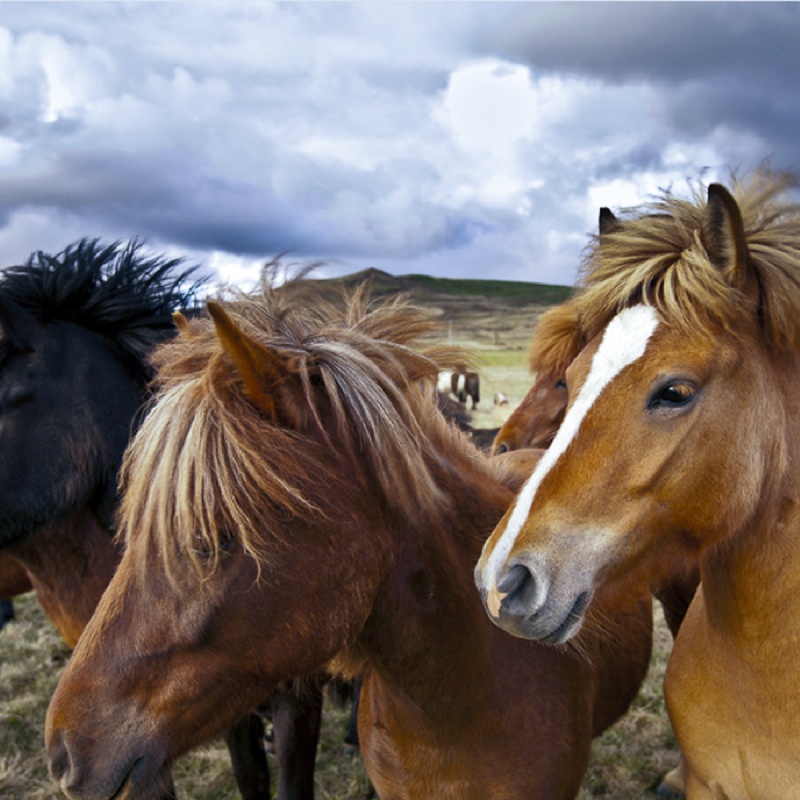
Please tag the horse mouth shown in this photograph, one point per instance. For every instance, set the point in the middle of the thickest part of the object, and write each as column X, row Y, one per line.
column 571, row 623
column 127, row 780
column 140, row 782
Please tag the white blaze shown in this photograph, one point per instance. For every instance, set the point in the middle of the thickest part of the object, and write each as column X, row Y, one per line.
column 624, row 341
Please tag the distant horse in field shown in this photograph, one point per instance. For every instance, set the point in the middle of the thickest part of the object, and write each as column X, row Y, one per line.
column 680, row 444
column 466, row 384
column 295, row 499
column 75, row 333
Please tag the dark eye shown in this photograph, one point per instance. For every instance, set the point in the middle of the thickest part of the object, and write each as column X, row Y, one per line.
column 676, row 394
column 562, row 384
column 213, row 550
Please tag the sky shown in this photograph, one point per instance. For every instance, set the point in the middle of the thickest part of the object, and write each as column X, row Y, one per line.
column 457, row 139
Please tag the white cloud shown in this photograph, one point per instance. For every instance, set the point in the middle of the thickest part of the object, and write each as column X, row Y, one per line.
column 457, row 138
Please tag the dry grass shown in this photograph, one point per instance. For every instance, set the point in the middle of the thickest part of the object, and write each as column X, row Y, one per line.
column 626, row 761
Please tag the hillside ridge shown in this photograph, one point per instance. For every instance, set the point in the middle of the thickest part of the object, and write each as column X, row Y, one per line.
column 477, row 312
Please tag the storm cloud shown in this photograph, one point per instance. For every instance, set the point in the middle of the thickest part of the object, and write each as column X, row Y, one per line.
column 458, row 139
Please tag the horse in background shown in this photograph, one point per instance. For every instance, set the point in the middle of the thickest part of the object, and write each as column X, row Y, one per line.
column 466, row 384
column 684, row 310
column 293, row 499
column 534, row 422
column 461, row 384
column 76, row 330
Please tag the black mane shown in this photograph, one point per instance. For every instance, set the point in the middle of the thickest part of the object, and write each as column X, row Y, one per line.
column 115, row 290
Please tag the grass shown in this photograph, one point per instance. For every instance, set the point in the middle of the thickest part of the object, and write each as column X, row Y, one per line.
column 627, row 761
column 515, row 291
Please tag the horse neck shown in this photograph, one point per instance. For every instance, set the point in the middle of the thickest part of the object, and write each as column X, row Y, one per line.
column 70, row 562
column 751, row 582
column 415, row 639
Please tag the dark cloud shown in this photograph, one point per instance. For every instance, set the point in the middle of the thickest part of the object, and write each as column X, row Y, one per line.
column 665, row 43
column 714, row 64
column 333, row 130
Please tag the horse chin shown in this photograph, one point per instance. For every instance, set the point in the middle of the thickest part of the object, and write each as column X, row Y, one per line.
column 548, row 625
column 140, row 777
column 143, row 782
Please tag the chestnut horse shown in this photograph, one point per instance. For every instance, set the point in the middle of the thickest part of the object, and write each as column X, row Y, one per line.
column 295, row 499
column 680, row 444
column 556, row 340
column 75, row 331
column 534, row 424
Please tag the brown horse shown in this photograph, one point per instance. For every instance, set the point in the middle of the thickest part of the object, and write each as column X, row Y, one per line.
column 680, row 444
column 295, row 499
column 535, row 422
column 557, row 339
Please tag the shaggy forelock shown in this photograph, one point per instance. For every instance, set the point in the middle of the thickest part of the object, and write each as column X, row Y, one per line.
column 657, row 256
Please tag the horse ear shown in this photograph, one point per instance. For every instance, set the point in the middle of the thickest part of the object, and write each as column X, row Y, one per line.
column 262, row 371
column 608, row 221
column 18, row 327
column 724, row 237
column 181, row 323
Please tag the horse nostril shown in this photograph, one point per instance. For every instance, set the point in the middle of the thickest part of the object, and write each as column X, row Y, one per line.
column 519, row 587
column 502, row 448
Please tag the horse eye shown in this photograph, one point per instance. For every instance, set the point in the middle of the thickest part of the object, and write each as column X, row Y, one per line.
column 674, row 395
column 207, row 550
column 562, row 384
column 503, row 448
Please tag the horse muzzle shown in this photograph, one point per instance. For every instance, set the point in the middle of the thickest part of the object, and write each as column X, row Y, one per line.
column 522, row 604
column 117, row 776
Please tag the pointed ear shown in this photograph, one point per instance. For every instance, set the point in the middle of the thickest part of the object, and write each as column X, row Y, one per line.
column 181, row 323
column 263, row 372
column 724, row 237
column 608, row 221
column 18, row 327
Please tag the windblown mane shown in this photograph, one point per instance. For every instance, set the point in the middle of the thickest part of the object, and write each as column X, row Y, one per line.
column 114, row 289
column 557, row 340
column 657, row 256
column 206, row 466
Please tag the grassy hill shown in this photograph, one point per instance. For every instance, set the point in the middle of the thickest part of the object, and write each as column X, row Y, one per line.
column 479, row 313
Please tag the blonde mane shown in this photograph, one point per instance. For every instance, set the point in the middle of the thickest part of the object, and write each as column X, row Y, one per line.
column 656, row 255
column 206, row 467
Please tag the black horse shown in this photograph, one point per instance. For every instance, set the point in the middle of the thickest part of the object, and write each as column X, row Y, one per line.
column 76, row 330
